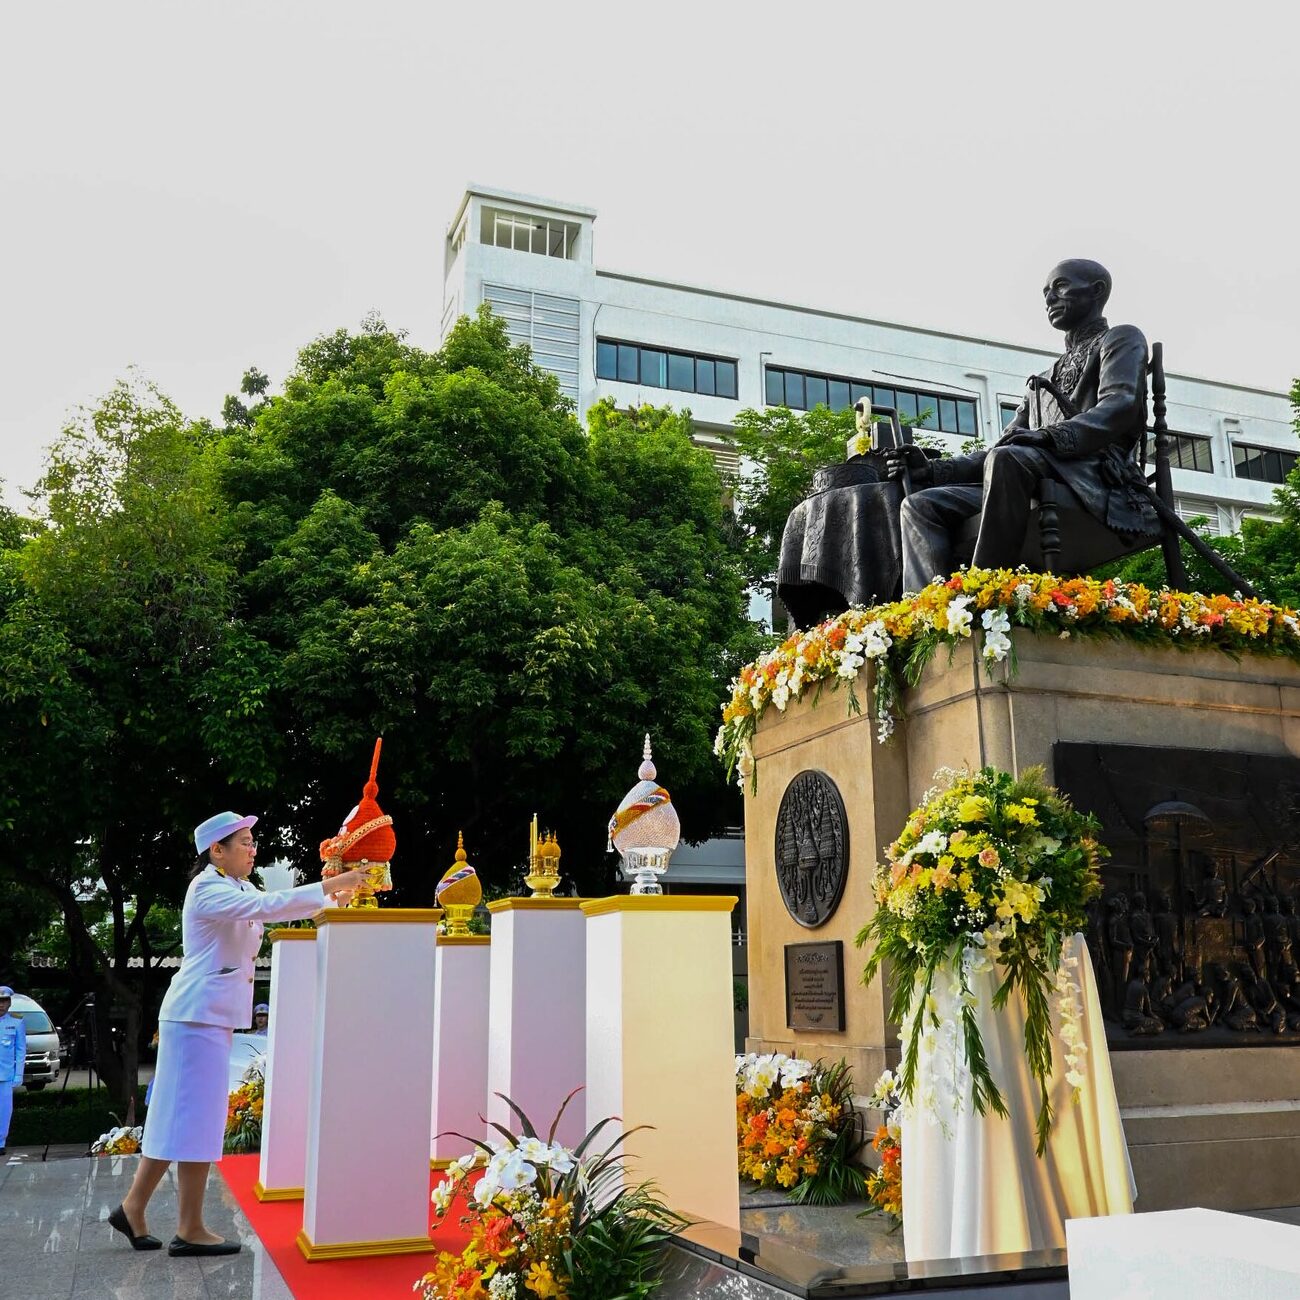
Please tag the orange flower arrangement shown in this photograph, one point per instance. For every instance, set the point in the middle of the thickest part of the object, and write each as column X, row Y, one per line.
column 795, row 1127
column 244, row 1115
column 885, row 1183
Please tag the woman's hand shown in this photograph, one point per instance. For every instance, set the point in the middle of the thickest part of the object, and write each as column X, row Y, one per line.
column 345, row 882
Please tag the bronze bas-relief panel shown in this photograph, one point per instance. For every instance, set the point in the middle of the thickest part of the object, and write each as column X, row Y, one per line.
column 1196, row 937
column 812, row 848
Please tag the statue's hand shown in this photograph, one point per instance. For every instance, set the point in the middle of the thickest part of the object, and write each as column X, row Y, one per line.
column 1026, row 438
column 914, row 460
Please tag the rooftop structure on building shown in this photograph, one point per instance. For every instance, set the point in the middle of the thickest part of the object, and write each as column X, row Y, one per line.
column 641, row 340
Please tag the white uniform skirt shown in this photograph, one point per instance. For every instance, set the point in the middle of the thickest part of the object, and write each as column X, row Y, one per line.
column 186, row 1119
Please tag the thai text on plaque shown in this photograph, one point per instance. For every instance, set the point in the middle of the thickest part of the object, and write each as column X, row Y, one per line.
column 814, row 985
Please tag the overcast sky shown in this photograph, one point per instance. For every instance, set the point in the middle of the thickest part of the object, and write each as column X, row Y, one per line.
column 196, row 188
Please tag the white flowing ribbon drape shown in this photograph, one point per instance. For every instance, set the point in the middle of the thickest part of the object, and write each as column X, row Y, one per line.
column 972, row 1184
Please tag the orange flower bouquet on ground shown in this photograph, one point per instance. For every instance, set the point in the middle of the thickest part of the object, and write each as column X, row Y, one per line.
column 549, row 1222
column 244, row 1115
column 885, row 1184
column 118, row 1142
column 796, row 1128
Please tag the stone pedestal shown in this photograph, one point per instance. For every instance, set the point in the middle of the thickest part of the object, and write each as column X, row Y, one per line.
column 1182, row 1113
column 281, row 1171
column 367, row 1178
column 537, row 1037
column 659, row 1021
column 1190, row 1254
column 460, row 1045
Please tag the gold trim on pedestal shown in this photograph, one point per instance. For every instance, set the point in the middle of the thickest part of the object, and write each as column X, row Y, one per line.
column 659, row 903
column 286, row 932
column 277, row 1193
column 376, row 916
column 360, row 1249
column 534, row 904
column 462, row 940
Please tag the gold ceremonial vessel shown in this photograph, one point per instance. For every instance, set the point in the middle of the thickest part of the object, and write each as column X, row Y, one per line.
column 543, row 863
column 459, row 893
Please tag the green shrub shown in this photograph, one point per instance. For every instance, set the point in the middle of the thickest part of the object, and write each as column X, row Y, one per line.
column 69, row 1115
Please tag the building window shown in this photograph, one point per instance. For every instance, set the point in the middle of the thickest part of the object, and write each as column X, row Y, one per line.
column 1007, row 412
column 1262, row 464
column 547, row 236
column 1188, row 452
column 631, row 363
column 801, row 390
column 1190, row 508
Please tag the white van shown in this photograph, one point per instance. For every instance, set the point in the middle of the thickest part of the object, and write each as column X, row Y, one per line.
column 42, row 1043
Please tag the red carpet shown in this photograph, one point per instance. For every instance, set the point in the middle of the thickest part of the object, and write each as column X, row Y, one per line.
column 277, row 1224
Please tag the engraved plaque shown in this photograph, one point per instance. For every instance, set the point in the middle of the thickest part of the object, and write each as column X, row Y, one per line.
column 814, row 985
column 812, row 848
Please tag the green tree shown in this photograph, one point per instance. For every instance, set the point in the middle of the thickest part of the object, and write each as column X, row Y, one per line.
column 113, row 618
column 431, row 547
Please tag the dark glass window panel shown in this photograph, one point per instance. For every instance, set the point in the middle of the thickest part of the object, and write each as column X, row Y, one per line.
column 883, row 397
column 815, row 391
column 1007, row 413
column 839, row 395
column 681, row 372
column 726, row 378
column 1288, row 464
column 1272, row 467
column 907, row 406
column 606, row 360
column 704, row 376
column 859, row 390
column 654, row 368
column 966, row 422
column 627, row 370
column 947, row 415
column 794, row 390
column 774, row 386
column 929, row 413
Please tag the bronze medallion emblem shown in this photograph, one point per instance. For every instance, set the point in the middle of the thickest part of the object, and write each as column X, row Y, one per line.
column 812, row 848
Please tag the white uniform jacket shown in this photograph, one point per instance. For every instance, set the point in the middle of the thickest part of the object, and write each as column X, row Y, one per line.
column 13, row 1048
column 221, row 932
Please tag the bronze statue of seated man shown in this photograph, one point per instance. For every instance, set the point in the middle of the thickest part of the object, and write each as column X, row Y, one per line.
column 1078, row 424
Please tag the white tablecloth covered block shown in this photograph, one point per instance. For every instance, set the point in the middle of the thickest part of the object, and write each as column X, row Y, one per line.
column 537, row 1033
column 460, row 1045
column 282, row 1165
column 660, row 1045
column 367, row 1183
column 972, row 1184
column 1183, row 1255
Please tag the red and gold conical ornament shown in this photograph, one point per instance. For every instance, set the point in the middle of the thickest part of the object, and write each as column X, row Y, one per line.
column 366, row 839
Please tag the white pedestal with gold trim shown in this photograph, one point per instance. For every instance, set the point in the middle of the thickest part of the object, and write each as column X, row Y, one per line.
column 282, row 1165
column 460, row 1044
column 660, row 1048
column 537, row 1017
column 367, row 1174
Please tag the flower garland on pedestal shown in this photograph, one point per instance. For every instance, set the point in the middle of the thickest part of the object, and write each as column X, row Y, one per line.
column 991, row 870
column 901, row 638
column 796, row 1128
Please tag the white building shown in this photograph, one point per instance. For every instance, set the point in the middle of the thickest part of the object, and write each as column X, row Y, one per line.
column 639, row 340
column 609, row 333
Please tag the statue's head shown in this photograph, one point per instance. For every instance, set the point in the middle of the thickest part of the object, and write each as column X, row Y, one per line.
column 1248, row 905
column 1139, row 901
column 1075, row 293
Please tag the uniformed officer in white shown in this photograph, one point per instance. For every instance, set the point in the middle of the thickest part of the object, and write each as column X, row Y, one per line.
column 13, row 1057
column 209, row 998
column 261, row 1018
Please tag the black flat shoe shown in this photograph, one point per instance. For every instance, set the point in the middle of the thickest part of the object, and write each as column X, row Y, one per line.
column 143, row 1241
column 179, row 1246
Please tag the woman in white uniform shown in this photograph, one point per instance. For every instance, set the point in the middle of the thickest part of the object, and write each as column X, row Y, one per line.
column 209, row 998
